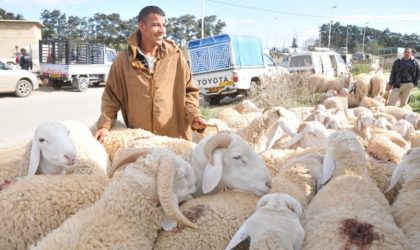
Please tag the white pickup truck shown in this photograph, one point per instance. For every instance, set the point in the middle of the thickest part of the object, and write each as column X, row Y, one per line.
column 228, row 65
column 77, row 64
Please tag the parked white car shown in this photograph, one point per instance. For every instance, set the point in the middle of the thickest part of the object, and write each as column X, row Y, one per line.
column 18, row 81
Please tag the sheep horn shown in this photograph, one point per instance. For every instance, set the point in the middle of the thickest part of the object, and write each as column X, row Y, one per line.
column 165, row 182
column 129, row 159
column 221, row 140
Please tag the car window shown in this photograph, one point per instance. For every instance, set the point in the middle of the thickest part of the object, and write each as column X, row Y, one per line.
column 268, row 61
column 4, row 66
column 301, row 61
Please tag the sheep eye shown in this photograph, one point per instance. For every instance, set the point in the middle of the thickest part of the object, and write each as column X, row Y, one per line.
column 237, row 157
column 41, row 139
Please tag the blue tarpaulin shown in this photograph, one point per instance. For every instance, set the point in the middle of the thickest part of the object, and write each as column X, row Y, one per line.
column 224, row 52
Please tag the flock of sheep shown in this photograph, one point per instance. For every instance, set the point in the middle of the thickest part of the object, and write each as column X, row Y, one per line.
column 342, row 175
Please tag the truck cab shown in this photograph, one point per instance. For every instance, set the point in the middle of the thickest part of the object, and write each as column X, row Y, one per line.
column 76, row 64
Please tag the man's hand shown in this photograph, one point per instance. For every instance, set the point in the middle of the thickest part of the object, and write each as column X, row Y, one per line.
column 389, row 87
column 199, row 124
column 101, row 134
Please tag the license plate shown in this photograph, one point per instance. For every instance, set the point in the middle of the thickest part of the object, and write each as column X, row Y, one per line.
column 214, row 89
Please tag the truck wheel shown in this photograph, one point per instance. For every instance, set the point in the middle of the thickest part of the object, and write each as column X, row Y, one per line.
column 215, row 100
column 55, row 83
column 82, row 84
column 23, row 88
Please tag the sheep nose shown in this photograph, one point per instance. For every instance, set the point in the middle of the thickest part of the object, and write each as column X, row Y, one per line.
column 71, row 157
column 268, row 184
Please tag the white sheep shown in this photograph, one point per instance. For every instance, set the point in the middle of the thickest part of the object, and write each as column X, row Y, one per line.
column 34, row 205
column 378, row 84
column 406, row 129
column 219, row 161
column 264, row 131
column 395, row 111
column 406, row 207
column 361, row 86
column 59, row 147
column 274, row 225
column 226, row 160
column 236, row 120
column 128, row 214
column 349, row 211
column 309, row 134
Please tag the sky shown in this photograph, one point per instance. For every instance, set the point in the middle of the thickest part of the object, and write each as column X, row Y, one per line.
column 276, row 22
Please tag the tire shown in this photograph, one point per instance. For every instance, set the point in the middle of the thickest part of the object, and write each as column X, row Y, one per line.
column 23, row 88
column 82, row 84
column 215, row 100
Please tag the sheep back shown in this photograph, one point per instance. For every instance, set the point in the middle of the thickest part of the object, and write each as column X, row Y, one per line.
column 218, row 217
column 406, row 211
column 349, row 204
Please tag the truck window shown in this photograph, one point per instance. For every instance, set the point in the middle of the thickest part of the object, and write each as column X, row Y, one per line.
column 110, row 56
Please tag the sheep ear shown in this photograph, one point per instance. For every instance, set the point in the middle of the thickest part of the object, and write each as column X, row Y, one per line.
column 359, row 124
column 34, row 158
column 295, row 139
column 239, row 236
column 396, row 175
column 294, row 206
column 328, row 167
column 213, row 173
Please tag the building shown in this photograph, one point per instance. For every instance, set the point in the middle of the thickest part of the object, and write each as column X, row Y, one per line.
column 17, row 34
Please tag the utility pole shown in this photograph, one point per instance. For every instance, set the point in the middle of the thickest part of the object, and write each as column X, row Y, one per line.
column 329, row 33
column 202, row 18
column 363, row 42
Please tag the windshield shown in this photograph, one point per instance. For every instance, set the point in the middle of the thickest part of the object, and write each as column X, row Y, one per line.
column 4, row 66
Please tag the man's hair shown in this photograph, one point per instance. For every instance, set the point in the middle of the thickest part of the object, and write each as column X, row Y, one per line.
column 148, row 10
column 408, row 48
column 22, row 50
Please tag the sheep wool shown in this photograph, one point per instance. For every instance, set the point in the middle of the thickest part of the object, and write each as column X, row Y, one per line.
column 218, row 217
column 406, row 207
column 127, row 215
column 33, row 206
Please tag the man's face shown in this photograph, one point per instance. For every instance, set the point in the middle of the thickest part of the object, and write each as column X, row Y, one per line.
column 152, row 29
column 407, row 53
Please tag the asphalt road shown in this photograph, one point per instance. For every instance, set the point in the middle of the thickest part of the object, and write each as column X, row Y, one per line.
column 21, row 116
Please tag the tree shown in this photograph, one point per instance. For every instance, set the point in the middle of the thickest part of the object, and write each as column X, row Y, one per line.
column 9, row 16
column 55, row 25
column 294, row 43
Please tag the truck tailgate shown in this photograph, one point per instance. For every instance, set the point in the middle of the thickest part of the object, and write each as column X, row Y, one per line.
column 214, row 81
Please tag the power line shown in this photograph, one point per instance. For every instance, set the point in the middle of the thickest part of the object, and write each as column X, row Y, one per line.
column 360, row 18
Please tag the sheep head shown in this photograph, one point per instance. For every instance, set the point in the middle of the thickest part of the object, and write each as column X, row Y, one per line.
column 232, row 163
column 52, row 150
column 277, row 202
column 410, row 164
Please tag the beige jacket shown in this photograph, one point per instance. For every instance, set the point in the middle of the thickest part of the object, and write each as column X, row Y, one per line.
column 165, row 102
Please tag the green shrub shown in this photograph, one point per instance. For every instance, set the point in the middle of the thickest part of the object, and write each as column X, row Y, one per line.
column 415, row 100
column 358, row 68
column 207, row 112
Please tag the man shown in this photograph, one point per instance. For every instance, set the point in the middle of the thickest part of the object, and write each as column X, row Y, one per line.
column 25, row 60
column 151, row 84
column 405, row 75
